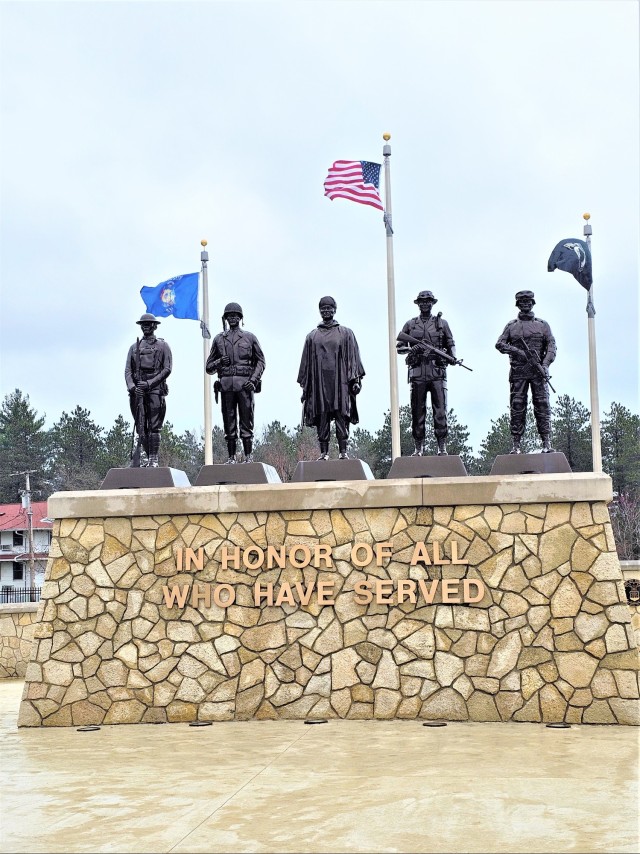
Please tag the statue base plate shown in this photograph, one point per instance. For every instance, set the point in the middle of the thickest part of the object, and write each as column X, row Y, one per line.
column 432, row 466
column 554, row 463
column 220, row 474
column 142, row 478
column 322, row 470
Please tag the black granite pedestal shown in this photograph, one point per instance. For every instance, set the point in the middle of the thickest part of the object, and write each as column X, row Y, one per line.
column 240, row 473
column 449, row 465
column 142, row 478
column 323, row 470
column 554, row 463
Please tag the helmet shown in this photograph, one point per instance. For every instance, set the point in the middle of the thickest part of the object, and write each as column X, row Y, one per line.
column 233, row 308
column 147, row 318
column 425, row 295
column 525, row 295
column 328, row 301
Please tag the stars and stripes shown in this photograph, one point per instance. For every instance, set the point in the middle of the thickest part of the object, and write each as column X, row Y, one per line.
column 356, row 180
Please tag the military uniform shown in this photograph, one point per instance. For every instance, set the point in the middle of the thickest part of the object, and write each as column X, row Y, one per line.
column 247, row 363
column 149, row 361
column 427, row 373
column 525, row 372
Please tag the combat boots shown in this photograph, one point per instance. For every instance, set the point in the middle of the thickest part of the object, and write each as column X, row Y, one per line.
column 517, row 448
column 419, row 451
column 546, row 445
column 442, row 448
column 154, row 447
column 247, row 446
column 324, row 451
column 231, row 449
column 342, row 447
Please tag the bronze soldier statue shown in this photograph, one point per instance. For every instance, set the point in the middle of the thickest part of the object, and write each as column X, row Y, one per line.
column 428, row 370
column 331, row 376
column 531, row 348
column 237, row 358
column 148, row 366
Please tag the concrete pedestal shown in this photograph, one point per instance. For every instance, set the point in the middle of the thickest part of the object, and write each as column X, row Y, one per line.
column 240, row 473
column 144, row 478
column 331, row 470
column 555, row 463
column 433, row 466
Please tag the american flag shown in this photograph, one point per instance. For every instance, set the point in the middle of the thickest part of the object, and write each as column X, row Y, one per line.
column 357, row 180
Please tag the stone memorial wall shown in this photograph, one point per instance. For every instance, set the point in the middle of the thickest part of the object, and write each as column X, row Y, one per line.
column 356, row 600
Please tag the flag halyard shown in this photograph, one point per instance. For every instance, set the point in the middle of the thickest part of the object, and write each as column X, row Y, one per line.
column 355, row 180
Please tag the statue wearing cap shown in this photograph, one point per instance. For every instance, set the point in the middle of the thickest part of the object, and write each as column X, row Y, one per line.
column 427, row 371
column 331, row 376
column 238, row 360
column 531, row 349
column 148, row 366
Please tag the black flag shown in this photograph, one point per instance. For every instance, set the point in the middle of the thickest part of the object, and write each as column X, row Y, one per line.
column 573, row 256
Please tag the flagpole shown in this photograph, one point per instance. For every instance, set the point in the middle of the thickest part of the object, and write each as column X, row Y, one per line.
column 208, row 441
column 596, row 447
column 391, row 305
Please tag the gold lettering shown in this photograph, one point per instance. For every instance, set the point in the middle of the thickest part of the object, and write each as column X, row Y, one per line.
column 325, row 590
column 420, row 555
column 231, row 556
column 276, row 557
column 175, row 593
column 408, row 586
column 428, row 589
column 437, row 560
column 466, row 590
column 363, row 592
column 368, row 554
column 454, row 553
column 384, row 592
column 450, row 590
column 322, row 555
column 217, row 595
column 259, row 593
column 246, row 557
column 193, row 559
column 383, row 551
column 306, row 556
column 201, row 592
column 285, row 594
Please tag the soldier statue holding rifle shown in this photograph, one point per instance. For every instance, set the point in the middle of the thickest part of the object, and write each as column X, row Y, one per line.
column 430, row 347
column 531, row 348
column 146, row 371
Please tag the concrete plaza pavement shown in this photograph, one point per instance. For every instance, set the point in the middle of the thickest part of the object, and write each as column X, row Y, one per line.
column 343, row 786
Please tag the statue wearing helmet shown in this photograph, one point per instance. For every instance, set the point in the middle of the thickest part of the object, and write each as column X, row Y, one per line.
column 148, row 366
column 531, row 348
column 238, row 360
column 427, row 370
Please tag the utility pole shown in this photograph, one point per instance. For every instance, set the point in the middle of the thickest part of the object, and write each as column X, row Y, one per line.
column 26, row 503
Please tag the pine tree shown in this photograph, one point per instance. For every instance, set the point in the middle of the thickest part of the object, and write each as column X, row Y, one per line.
column 77, row 448
column 620, row 431
column 571, row 432
column 23, row 447
column 499, row 441
column 117, row 446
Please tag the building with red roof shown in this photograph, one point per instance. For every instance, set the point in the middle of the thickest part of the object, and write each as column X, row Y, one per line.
column 15, row 552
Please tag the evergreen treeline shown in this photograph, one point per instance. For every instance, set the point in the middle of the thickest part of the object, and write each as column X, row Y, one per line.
column 76, row 453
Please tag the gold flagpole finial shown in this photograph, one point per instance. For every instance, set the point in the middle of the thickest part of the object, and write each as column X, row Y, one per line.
column 586, row 216
column 203, row 243
column 386, row 137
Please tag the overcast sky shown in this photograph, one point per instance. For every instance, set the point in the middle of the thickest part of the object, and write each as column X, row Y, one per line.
column 132, row 130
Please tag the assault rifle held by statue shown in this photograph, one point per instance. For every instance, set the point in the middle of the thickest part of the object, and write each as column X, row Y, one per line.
column 409, row 339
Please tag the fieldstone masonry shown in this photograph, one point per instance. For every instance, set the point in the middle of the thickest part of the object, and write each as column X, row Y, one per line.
column 551, row 640
column 16, row 632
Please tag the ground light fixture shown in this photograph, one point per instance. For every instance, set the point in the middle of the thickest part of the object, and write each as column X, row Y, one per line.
column 91, row 728
column 559, row 725
column 200, row 723
column 434, row 723
column 316, row 721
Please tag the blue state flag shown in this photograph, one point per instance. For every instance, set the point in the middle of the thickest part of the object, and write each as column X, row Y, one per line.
column 177, row 296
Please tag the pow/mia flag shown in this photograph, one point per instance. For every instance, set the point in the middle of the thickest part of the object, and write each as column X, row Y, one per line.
column 573, row 256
